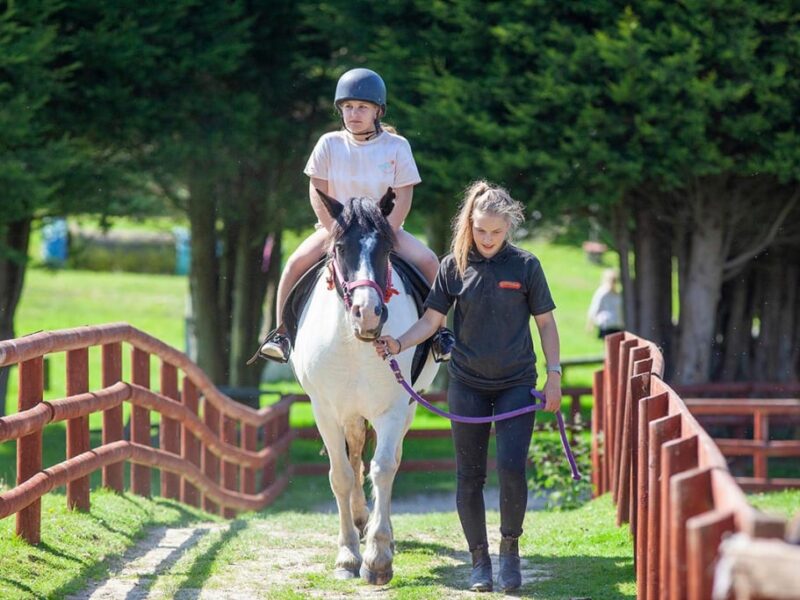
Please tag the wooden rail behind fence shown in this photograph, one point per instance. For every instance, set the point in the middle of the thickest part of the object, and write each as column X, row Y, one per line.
column 208, row 448
column 668, row 479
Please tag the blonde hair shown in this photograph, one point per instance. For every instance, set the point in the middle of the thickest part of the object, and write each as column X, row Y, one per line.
column 610, row 278
column 482, row 197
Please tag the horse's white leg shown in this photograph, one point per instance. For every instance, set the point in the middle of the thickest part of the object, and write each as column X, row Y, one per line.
column 377, row 565
column 356, row 434
column 342, row 479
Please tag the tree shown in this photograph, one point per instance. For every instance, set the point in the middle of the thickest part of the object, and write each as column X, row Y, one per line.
column 674, row 123
column 36, row 159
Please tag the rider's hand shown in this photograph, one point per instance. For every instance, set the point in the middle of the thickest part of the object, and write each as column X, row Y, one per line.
column 386, row 346
column 552, row 392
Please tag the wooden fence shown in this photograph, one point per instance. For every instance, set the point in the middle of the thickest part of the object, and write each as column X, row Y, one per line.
column 208, row 447
column 438, row 464
column 756, row 415
column 669, row 480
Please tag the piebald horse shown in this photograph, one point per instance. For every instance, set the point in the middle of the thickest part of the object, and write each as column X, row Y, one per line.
column 347, row 382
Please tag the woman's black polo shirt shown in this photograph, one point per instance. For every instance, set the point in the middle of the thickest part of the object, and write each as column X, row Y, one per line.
column 493, row 305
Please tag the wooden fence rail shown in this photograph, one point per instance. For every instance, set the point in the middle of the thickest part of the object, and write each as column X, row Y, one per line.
column 207, row 450
column 757, row 414
column 669, row 480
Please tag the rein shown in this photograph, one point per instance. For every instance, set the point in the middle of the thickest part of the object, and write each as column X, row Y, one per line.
column 576, row 474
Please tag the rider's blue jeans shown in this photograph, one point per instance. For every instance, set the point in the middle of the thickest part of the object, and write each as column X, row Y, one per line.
column 513, row 438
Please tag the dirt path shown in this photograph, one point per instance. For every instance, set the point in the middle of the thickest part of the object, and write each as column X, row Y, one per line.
column 270, row 560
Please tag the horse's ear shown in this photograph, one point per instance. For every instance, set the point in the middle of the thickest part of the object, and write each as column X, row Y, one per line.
column 334, row 207
column 387, row 202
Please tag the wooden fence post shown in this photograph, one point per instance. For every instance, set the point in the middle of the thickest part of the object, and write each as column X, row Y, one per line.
column 703, row 536
column 29, row 448
column 677, row 456
column 230, row 470
column 640, row 388
column 598, row 433
column 78, row 427
column 270, row 435
column 650, row 409
column 637, row 387
column 690, row 495
column 249, row 442
column 211, row 417
column 620, row 401
column 190, row 445
column 140, row 421
column 113, row 475
column 760, row 434
column 660, row 431
column 169, row 433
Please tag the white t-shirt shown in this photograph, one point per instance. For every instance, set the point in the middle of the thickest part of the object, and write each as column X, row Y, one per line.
column 605, row 310
column 354, row 169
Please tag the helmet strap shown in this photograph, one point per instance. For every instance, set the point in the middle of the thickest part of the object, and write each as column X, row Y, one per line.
column 370, row 134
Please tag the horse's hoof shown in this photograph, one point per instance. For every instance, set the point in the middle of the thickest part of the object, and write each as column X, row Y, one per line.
column 376, row 577
column 342, row 573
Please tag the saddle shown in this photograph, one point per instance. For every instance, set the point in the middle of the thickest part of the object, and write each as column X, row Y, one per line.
column 413, row 281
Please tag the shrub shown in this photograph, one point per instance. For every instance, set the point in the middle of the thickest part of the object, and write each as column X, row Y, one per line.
column 551, row 476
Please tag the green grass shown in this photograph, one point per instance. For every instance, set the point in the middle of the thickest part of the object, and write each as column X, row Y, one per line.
column 64, row 299
column 78, row 546
column 785, row 504
column 293, row 550
column 288, row 550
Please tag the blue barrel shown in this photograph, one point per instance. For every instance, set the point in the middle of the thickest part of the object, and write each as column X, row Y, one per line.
column 54, row 241
column 183, row 250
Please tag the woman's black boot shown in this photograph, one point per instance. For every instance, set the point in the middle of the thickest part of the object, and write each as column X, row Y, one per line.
column 481, row 578
column 509, row 578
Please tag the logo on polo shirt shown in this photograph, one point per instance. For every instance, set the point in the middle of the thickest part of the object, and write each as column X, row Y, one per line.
column 510, row 285
column 387, row 167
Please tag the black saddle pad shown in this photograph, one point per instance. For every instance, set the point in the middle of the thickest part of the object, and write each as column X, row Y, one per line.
column 412, row 279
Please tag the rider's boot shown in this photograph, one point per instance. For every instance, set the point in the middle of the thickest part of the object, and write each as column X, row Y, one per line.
column 442, row 344
column 480, row 580
column 276, row 347
column 509, row 578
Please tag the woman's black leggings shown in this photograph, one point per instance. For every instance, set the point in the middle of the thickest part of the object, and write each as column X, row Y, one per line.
column 472, row 444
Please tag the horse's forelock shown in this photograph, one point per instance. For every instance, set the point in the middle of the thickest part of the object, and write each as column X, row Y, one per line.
column 365, row 213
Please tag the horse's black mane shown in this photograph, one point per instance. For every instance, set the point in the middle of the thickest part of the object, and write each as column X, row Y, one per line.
column 365, row 213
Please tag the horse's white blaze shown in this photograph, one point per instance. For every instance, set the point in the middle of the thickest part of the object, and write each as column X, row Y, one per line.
column 345, row 379
column 364, row 297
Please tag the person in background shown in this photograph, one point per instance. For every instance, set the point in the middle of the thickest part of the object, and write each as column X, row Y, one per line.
column 605, row 310
column 494, row 288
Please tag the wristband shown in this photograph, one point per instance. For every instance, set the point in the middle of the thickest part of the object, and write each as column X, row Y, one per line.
column 399, row 347
column 554, row 369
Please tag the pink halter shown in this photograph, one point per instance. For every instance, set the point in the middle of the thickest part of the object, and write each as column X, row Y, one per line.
column 349, row 286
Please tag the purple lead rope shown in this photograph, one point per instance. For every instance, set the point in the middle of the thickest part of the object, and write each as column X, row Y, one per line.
column 576, row 474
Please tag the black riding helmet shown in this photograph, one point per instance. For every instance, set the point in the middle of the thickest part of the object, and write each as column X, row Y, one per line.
column 365, row 85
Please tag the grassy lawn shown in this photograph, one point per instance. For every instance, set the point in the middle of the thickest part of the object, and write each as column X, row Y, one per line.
column 77, row 546
column 287, row 551
column 785, row 504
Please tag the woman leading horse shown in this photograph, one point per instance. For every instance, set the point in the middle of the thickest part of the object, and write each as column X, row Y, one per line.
column 494, row 287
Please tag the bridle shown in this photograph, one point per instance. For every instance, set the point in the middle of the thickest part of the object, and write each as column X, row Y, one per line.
column 347, row 287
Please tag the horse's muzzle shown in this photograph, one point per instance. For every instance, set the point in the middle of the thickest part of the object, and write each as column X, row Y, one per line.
column 371, row 335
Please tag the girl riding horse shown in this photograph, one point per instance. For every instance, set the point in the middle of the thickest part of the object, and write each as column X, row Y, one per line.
column 360, row 160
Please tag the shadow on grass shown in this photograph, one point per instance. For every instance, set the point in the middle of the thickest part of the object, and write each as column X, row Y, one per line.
column 21, row 587
column 139, row 585
column 544, row 578
column 192, row 584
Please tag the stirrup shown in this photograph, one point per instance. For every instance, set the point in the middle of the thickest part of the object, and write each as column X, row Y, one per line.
column 442, row 345
column 277, row 342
